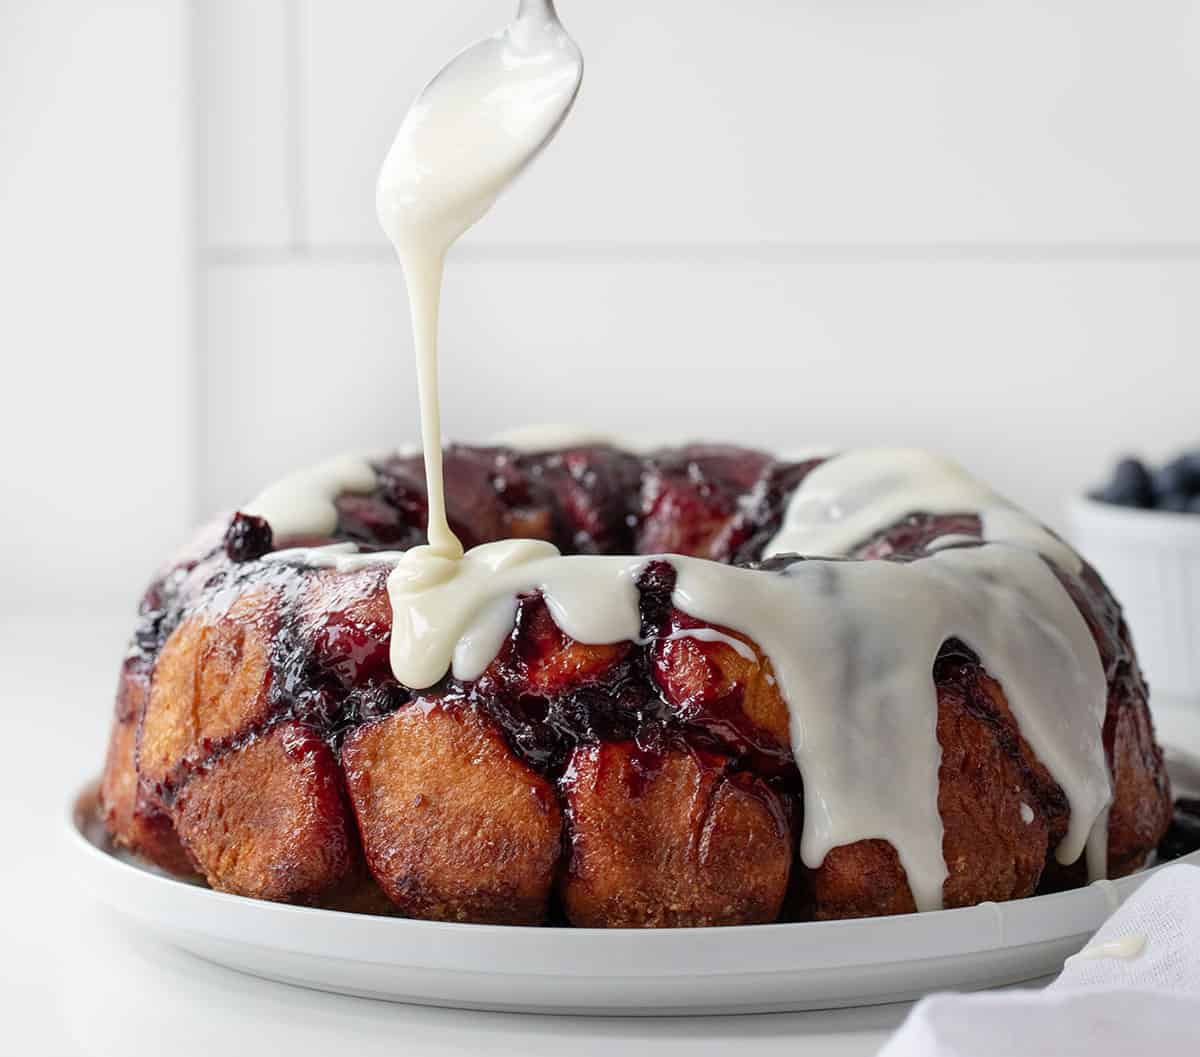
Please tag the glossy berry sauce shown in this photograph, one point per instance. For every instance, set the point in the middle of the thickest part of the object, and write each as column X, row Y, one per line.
column 547, row 694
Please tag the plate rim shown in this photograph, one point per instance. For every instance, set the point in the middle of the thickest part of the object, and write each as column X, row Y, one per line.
column 141, row 892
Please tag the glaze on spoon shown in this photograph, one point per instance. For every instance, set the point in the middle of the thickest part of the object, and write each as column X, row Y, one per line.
column 470, row 133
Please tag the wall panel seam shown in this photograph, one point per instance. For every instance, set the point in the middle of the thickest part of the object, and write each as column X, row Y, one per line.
column 353, row 253
column 296, row 121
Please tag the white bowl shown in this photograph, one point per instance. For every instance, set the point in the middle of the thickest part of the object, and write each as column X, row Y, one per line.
column 1151, row 561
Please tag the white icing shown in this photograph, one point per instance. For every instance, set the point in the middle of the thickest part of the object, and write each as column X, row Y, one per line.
column 1026, row 813
column 951, row 539
column 852, row 645
column 341, row 557
column 1122, row 947
column 713, row 635
column 302, row 504
column 452, row 614
column 472, row 130
column 853, row 497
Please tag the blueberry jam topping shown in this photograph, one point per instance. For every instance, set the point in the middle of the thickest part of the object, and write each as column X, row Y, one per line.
column 1173, row 487
column 549, row 695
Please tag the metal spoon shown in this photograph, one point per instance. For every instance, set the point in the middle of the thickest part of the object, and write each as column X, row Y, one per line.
column 477, row 124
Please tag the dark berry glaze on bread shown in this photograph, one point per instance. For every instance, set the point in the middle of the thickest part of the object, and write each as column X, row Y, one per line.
column 261, row 740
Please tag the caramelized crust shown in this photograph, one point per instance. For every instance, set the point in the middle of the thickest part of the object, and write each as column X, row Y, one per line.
column 132, row 824
column 546, row 662
column 268, row 818
column 859, row 880
column 671, row 838
column 358, row 893
column 454, row 827
column 991, row 851
column 211, row 684
column 711, row 686
column 1141, row 807
column 1140, row 812
column 987, row 772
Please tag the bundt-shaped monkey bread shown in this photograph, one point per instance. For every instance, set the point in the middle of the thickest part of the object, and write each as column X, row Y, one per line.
column 938, row 704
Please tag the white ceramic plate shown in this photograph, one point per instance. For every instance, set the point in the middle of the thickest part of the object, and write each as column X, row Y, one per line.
column 756, row 968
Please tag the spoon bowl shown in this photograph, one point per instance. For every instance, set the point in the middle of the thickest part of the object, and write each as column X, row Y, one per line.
column 477, row 125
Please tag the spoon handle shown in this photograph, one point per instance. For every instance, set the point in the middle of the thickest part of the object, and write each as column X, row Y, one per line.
column 545, row 8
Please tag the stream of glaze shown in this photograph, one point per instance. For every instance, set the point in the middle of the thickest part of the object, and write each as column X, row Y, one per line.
column 470, row 133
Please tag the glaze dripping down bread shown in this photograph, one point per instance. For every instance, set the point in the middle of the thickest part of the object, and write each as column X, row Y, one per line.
column 676, row 687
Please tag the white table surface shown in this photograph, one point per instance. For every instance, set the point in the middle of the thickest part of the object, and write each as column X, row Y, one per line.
column 76, row 979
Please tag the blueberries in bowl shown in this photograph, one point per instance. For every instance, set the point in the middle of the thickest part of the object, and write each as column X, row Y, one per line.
column 1173, row 487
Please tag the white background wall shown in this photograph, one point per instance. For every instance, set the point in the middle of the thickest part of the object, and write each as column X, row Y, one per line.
column 971, row 224
column 97, row 422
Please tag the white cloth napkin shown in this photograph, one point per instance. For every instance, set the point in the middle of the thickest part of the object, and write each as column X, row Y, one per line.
column 1098, row 1007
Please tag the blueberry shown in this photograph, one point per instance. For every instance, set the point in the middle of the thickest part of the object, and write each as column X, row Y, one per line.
column 248, row 537
column 1130, row 485
column 1180, row 476
column 1191, row 460
column 1175, row 502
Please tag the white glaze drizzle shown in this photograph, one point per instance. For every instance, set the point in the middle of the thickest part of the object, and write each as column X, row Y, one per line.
column 340, row 557
column 951, row 539
column 455, row 615
column 1124, row 947
column 472, row 130
column 1026, row 813
column 713, row 635
column 852, row 645
column 302, row 503
column 852, row 497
